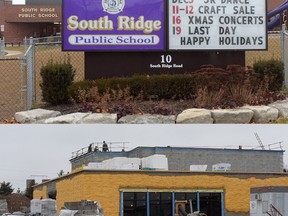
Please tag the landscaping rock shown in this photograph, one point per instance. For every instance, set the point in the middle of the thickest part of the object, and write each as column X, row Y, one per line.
column 244, row 115
column 233, row 116
column 195, row 116
column 100, row 118
column 73, row 118
column 35, row 115
column 263, row 114
column 147, row 119
column 282, row 107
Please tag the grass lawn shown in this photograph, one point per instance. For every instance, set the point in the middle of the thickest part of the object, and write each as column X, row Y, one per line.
column 282, row 121
column 15, row 48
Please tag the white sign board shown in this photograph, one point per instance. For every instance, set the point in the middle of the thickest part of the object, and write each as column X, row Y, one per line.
column 18, row 2
column 217, row 25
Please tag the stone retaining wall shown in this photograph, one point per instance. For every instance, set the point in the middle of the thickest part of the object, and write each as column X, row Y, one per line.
column 242, row 115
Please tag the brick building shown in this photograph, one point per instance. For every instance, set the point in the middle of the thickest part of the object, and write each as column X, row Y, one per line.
column 143, row 192
column 39, row 18
column 34, row 19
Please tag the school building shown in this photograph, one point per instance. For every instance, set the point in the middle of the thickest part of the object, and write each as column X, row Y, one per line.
column 41, row 18
column 37, row 18
column 143, row 191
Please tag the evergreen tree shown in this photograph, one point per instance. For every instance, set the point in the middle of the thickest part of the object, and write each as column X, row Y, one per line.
column 29, row 191
column 6, row 188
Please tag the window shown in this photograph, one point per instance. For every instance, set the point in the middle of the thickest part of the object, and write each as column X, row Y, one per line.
column 134, row 204
column 152, row 203
column 190, row 198
column 210, row 203
column 160, row 203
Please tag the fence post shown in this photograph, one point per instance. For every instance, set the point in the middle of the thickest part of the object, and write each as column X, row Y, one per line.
column 30, row 74
column 283, row 54
column 2, row 47
column 25, row 44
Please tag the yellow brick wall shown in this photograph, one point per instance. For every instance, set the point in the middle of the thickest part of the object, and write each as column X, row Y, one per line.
column 40, row 192
column 105, row 188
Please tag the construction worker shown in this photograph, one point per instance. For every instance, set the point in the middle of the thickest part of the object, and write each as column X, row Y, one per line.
column 105, row 147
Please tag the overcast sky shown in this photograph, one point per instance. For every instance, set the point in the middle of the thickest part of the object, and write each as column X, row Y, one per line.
column 43, row 150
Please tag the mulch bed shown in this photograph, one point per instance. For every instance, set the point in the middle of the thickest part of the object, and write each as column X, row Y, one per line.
column 172, row 107
column 8, row 121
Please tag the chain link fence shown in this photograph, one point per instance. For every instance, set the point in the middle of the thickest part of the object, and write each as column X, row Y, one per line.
column 273, row 51
column 45, row 52
column 12, row 93
column 20, row 77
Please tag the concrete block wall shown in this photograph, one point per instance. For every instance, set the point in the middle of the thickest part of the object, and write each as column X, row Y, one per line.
column 181, row 158
column 240, row 160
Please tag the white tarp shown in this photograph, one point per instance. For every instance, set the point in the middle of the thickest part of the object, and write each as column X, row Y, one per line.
column 198, row 167
column 43, row 206
column 35, row 206
column 116, row 163
column 153, row 162
column 156, row 161
column 67, row 212
column 221, row 167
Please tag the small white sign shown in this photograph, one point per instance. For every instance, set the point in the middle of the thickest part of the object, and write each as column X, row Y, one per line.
column 2, row 28
column 18, row 2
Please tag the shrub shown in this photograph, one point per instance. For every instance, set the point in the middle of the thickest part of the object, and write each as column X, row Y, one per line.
column 228, row 88
column 155, row 86
column 208, row 87
column 56, row 78
column 77, row 89
column 207, row 80
column 274, row 69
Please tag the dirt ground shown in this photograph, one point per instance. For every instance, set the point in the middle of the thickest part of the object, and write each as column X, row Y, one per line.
column 16, row 202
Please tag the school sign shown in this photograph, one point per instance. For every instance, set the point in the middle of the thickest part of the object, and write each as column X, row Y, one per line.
column 141, row 25
column 113, row 25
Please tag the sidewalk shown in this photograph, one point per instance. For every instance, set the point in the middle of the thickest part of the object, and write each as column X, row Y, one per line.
column 12, row 53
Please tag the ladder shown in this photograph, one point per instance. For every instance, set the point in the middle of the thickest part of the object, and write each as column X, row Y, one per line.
column 274, row 211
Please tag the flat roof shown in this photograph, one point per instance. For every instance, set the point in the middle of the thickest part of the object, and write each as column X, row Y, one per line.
column 168, row 173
